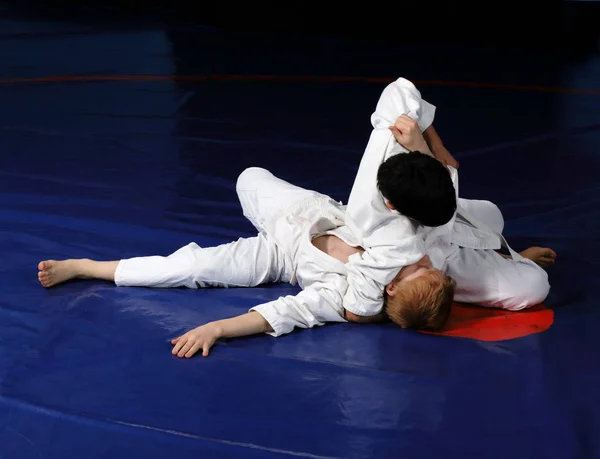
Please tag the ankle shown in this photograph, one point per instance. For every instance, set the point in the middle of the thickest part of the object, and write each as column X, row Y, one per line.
column 83, row 267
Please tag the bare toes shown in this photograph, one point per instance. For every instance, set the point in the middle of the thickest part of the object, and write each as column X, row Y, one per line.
column 44, row 265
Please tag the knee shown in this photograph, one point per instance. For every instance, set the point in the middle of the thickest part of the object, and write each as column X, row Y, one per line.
column 486, row 212
column 249, row 178
column 184, row 259
column 494, row 216
column 531, row 288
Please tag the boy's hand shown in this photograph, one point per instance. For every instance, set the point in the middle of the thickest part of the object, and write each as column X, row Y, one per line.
column 202, row 337
column 407, row 133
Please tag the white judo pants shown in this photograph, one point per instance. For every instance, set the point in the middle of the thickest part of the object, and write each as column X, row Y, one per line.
column 485, row 278
column 247, row 262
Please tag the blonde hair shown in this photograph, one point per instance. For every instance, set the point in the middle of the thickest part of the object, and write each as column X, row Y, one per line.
column 423, row 303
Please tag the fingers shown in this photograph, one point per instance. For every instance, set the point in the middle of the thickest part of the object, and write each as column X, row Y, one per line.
column 549, row 256
column 406, row 121
column 397, row 134
column 546, row 261
column 195, row 348
column 187, row 346
column 447, row 158
column 206, row 348
column 406, row 124
column 183, row 345
column 179, row 343
column 452, row 162
column 404, row 130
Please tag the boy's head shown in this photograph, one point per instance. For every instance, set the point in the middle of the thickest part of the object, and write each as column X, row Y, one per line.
column 419, row 187
column 420, row 297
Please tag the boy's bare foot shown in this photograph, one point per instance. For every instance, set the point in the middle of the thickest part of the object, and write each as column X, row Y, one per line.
column 544, row 257
column 54, row 272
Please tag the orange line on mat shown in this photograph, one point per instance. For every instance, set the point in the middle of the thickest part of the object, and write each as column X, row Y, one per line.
column 289, row 78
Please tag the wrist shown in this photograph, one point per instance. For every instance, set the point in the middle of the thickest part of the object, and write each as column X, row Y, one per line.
column 217, row 329
column 424, row 148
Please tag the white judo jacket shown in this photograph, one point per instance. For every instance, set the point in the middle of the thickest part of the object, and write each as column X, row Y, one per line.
column 391, row 240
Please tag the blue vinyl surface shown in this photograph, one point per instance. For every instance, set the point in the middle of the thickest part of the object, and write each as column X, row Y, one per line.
column 127, row 141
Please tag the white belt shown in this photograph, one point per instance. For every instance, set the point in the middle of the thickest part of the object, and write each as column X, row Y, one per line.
column 466, row 218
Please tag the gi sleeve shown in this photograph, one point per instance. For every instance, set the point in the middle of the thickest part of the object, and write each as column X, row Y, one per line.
column 389, row 239
column 311, row 307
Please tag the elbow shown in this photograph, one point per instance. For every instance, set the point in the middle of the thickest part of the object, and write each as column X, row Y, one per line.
column 354, row 318
column 351, row 317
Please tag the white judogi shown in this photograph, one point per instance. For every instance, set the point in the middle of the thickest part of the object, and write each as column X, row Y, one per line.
column 389, row 239
column 482, row 276
column 464, row 247
column 288, row 218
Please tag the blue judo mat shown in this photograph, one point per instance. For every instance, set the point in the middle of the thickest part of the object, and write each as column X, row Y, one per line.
column 126, row 141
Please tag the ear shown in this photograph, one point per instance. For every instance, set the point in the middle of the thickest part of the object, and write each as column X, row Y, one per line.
column 389, row 205
column 391, row 288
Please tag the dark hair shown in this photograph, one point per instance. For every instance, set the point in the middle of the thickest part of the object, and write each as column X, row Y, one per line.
column 419, row 187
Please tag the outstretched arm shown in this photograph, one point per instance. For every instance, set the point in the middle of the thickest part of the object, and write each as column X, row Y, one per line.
column 204, row 336
column 311, row 307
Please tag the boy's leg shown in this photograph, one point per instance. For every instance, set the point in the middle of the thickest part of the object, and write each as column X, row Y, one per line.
column 487, row 278
column 52, row 272
column 485, row 212
column 246, row 262
column 264, row 196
